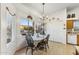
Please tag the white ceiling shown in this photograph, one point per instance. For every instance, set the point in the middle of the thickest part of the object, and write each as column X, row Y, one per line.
column 50, row 7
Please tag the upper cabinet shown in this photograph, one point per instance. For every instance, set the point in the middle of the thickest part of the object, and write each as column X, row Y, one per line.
column 69, row 24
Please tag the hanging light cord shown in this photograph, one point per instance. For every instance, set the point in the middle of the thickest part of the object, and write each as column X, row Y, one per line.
column 43, row 17
column 10, row 12
column 43, row 10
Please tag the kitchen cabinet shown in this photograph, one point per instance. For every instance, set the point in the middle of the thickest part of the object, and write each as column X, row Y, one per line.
column 78, row 39
column 69, row 24
column 72, row 38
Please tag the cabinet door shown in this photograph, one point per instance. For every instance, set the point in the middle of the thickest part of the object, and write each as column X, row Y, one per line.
column 72, row 39
column 78, row 39
column 69, row 24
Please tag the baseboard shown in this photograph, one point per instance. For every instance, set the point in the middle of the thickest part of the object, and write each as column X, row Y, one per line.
column 56, row 42
column 72, row 44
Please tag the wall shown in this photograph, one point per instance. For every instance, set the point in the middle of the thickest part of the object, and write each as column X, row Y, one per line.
column 0, row 28
column 3, row 31
column 10, row 47
column 56, row 27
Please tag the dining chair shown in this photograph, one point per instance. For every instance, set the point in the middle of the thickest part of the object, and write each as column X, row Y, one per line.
column 43, row 44
column 46, row 40
column 76, row 50
column 30, row 43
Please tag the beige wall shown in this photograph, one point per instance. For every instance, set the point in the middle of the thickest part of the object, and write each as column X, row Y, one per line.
column 56, row 27
column 7, row 48
column 0, row 28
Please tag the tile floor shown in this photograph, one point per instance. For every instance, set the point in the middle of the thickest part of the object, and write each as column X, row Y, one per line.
column 54, row 49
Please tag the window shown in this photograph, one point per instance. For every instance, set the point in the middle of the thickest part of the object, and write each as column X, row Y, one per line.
column 26, row 25
column 25, row 22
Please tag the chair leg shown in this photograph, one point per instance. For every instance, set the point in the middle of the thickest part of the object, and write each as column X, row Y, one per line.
column 32, row 50
column 47, row 45
column 45, row 48
column 26, row 49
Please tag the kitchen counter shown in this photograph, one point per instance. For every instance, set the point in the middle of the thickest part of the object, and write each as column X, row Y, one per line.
column 73, row 32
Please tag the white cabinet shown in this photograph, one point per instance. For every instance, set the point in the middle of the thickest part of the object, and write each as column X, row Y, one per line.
column 72, row 38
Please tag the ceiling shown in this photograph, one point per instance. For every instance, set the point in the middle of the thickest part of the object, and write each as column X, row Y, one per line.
column 50, row 7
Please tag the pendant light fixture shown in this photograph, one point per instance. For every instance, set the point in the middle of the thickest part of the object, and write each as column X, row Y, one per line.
column 43, row 10
column 43, row 17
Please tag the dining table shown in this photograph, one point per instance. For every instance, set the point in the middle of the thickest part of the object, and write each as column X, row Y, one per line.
column 38, row 38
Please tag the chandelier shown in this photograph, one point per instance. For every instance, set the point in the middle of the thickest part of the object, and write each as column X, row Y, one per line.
column 44, row 16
